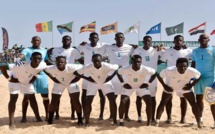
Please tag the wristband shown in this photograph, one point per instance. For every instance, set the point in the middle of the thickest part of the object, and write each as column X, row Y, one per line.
column 123, row 83
column 149, row 83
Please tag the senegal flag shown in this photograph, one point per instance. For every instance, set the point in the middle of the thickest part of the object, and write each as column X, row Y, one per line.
column 44, row 27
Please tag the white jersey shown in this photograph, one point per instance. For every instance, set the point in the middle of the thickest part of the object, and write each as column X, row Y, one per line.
column 25, row 72
column 135, row 78
column 89, row 51
column 65, row 76
column 171, row 55
column 99, row 75
column 176, row 80
column 149, row 57
column 71, row 54
column 119, row 55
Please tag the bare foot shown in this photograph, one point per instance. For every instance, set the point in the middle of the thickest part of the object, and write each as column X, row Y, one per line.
column 12, row 127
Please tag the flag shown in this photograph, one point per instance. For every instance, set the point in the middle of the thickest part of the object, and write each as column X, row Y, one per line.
column 155, row 29
column 44, row 27
column 213, row 32
column 65, row 27
column 198, row 29
column 133, row 29
column 175, row 29
column 111, row 28
column 5, row 38
column 89, row 27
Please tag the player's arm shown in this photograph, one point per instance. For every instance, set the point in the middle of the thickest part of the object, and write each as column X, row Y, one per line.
column 189, row 85
column 84, row 77
column 4, row 72
column 48, row 59
column 193, row 64
column 166, row 87
column 76, row 79
column 51, row 77
column 33, row 79
column 125, row 85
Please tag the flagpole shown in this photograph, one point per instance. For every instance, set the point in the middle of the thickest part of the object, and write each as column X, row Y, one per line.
column 73, row 33
column 52, row 34
column 139, row 33
column 205, row 26
column 160, row 33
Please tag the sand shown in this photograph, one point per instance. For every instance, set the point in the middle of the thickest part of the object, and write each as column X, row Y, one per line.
column 67, row 126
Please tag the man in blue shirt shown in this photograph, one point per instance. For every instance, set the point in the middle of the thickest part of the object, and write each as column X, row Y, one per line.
column 203, row 61
column 41, row 83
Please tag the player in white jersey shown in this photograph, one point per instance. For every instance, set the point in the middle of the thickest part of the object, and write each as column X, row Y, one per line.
column 14, row 88
column 62, row 75
column 170, row 56
column 119, row 53
column 179, row 80
column 72, row 55
column 135, row 77
column 88, row 51
column 21, row 79
column 99, row 79
column 149, row 56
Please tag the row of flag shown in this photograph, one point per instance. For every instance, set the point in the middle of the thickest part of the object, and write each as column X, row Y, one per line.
column 113, row 28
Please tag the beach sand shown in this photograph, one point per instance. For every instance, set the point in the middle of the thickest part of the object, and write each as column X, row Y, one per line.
column 67, row 126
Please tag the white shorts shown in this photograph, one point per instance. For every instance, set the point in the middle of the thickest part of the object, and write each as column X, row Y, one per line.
column 104, row 87
column 84, row 84
column 139, row 91
column 59, row 88
column 27, row 88
column 153, row 87
column 179, row 93
column 14, row 88
column 116, row 85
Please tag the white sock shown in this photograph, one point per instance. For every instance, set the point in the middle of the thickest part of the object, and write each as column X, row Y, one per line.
column 139, row 118
column 120, row 120
column 157, row 120
column 201, row 119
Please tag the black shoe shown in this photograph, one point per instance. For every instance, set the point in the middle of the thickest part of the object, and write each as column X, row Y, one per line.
column 80, row 123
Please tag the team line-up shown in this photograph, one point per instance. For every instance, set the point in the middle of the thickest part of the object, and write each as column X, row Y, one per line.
column 129, row 68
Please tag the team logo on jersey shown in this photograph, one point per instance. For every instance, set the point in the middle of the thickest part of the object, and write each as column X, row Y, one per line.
column 104, row 72
column 187, row 77
column 209, row 51
column 183, row 54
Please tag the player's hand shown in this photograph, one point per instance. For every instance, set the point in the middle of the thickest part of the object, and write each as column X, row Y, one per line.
column 83, row 43
column 144, row 85
column 187, row 87
column 13, row 79
column 90, row 79
column 134, row 46
column 127, row 86
column 168, row 88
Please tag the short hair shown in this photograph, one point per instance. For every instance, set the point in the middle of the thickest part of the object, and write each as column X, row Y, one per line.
column 66, row 37
column 94, row 33
column 97, row 55
column 35, row 37
column 118, row 33
column 60, row 56
column 178, row 36
column 181, row 60
column 147, row 36
column 136, row 56
column 35, row 54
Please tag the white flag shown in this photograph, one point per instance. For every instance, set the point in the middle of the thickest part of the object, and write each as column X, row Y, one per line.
column 133, row 29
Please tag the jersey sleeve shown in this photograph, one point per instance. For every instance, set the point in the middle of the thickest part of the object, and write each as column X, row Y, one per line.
column 164, row 56
column 113, row 66
column 85, row 69
column 74, row 67
column 80, row 48
column 46, row 56
column 164, row 73
column 196, row 74
column 150, row 70
column 25, row 51
column 77, row 54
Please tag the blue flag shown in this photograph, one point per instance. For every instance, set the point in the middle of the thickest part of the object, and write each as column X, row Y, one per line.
column 155, row 29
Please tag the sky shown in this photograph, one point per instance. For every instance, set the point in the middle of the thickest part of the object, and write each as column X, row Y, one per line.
column 19, row 18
